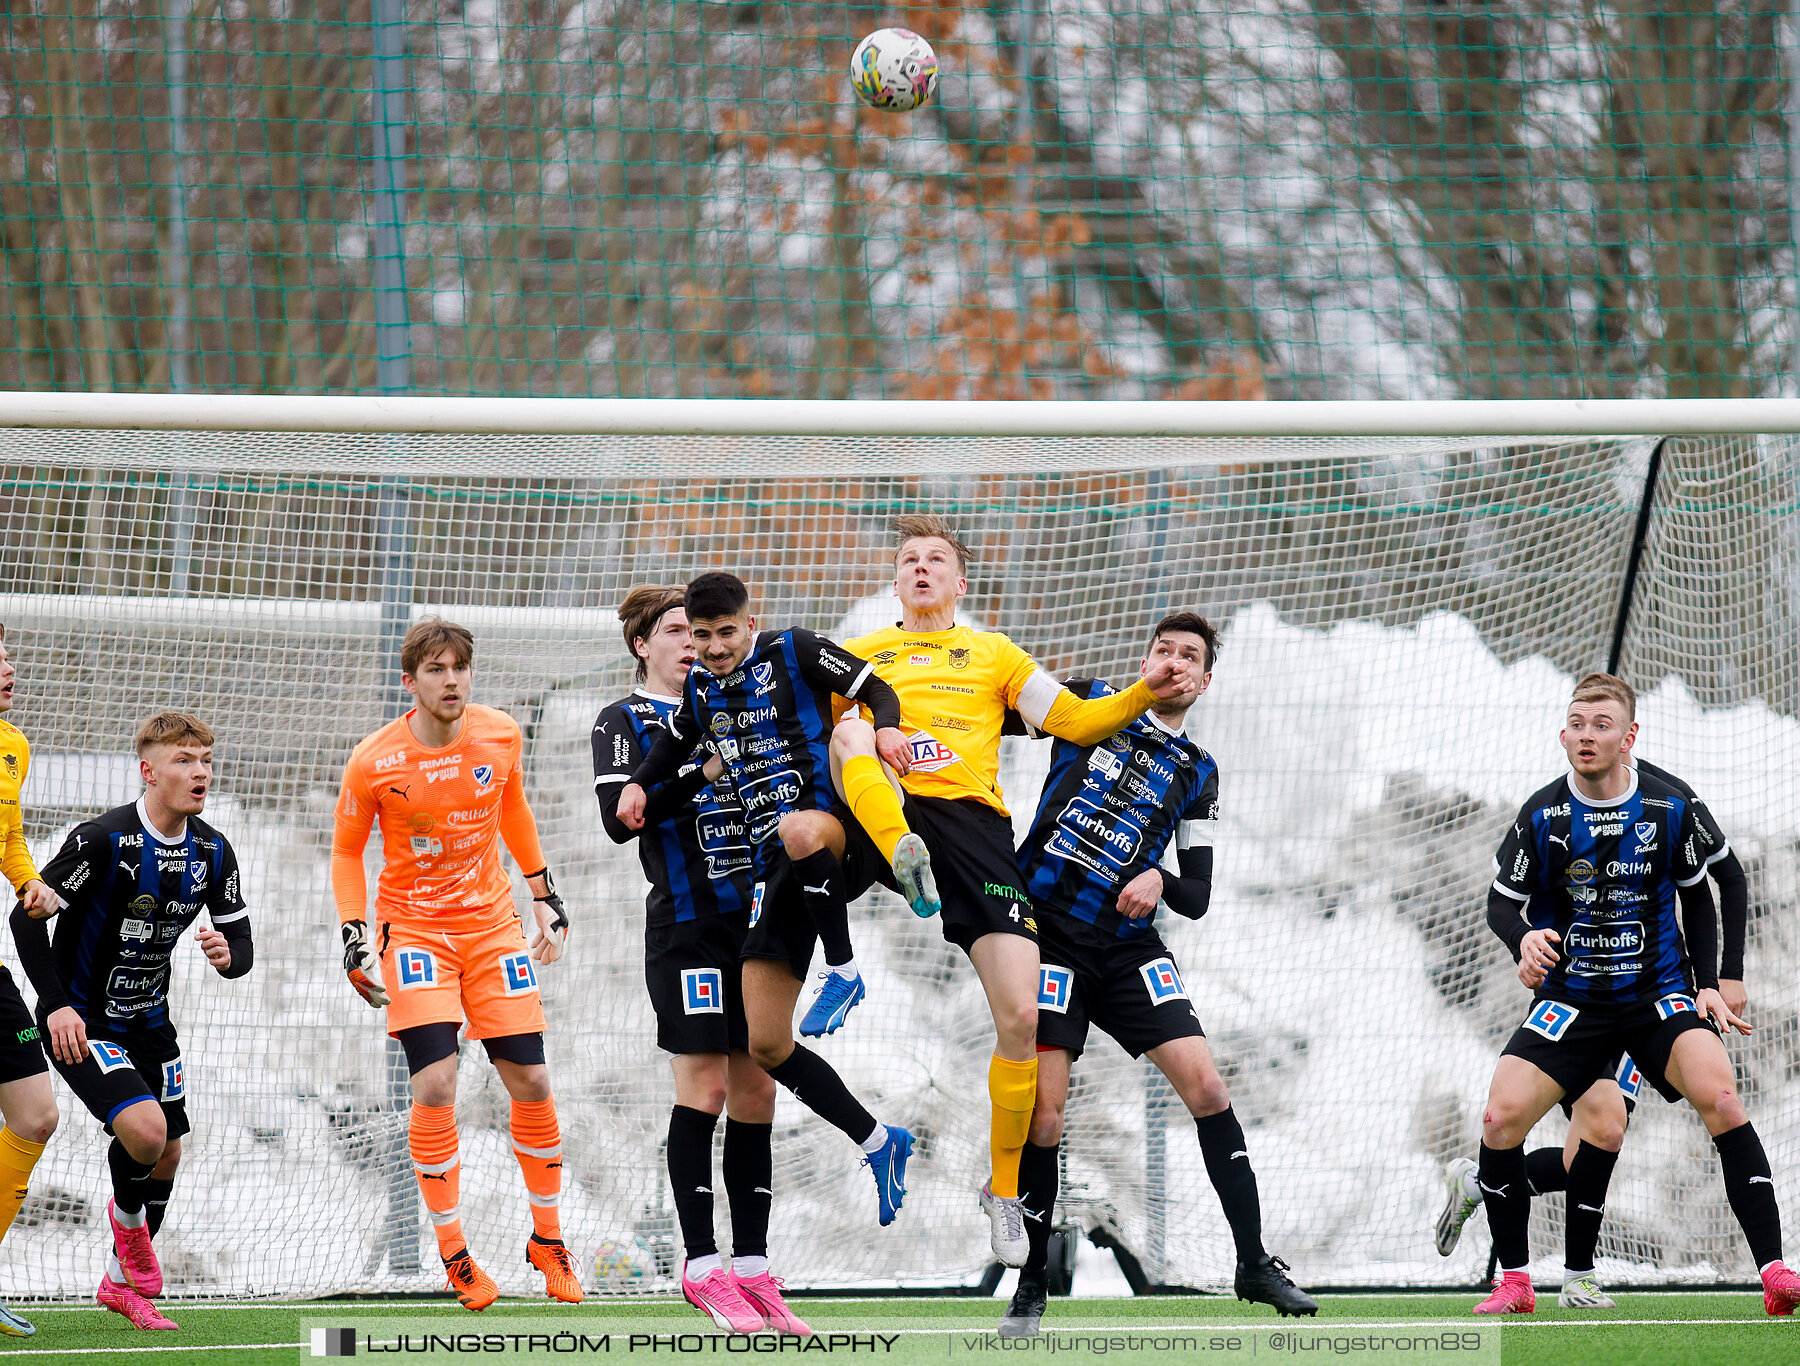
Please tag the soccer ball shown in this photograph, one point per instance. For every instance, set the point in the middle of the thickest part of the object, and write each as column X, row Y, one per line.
column 894, row 68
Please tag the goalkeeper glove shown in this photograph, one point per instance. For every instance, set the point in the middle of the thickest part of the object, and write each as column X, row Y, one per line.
column 360, row 964
column 552, row 923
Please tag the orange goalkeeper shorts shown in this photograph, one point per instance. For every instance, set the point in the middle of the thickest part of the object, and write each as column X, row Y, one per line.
column 445, row 977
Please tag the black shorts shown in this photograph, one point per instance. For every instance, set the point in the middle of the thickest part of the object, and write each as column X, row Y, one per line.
column 1131, row 989
column 694, row 974
column 1577, row 1045
column 780, row 925
column 21, row 1041
column 1625, row 1076
column 121, row 1070
column 976, row 869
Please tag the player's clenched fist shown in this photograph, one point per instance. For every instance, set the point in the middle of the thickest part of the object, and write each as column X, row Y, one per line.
column 1170, row 680
column 1536, row 957
column 631, row 806
column 360, row 965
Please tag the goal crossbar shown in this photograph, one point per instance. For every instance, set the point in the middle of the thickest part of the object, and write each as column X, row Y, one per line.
column 1503, row 418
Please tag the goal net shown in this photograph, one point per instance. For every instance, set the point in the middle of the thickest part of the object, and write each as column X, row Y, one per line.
column 1402, row 621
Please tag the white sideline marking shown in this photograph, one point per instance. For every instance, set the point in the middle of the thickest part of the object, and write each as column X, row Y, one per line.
column 222, row 1347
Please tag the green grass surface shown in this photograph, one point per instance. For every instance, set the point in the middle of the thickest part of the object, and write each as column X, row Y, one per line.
column 1653, row 1329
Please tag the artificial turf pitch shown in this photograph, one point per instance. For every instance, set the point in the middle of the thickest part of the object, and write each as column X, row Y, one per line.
column 1654, row 1329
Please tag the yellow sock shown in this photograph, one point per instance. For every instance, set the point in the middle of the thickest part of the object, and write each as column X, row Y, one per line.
column 17, row 1158
column 874, row 803
column 1012, row 1087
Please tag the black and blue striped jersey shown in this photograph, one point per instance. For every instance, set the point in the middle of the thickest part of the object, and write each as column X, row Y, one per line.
column 128, row 895
column 1604, row 876
column 1109, row 811
column 770, row 721
column 693, row 847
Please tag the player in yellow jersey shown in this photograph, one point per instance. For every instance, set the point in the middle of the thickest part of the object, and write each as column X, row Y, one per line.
column 956, row 685
column 25, row 1097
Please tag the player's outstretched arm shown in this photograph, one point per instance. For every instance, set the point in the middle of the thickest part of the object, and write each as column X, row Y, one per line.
column 661, row 766
column 1048, row 707
column 616, row 755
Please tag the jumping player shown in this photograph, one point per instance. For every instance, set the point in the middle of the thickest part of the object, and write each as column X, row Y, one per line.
column 446, row 784
column 696, row 857
column 765, row 702
column 955, row 687
column 1588, row 878
column 1092, row 863
column 1584, row 1164
column 129, row 884
column 25, row 1097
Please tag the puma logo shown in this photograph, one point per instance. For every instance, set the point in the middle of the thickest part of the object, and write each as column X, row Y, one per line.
column 1239, row 1153
column 1558, row 839
column 404, row 794
column 1490, row 1190
column 1592, row 1209
column 1766, row 1180
column 762, row 1190
column 434, row 1176
column 1036, row 1216
column 702, row 1190
column 817, row 891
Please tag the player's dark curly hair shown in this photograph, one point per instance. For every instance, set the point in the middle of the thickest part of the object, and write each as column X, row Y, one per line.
column 716, row 594
column 1193, row 624
column 643, row 607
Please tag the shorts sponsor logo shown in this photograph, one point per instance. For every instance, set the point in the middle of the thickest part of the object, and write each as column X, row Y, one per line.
column 1631, row 1081
column 109, row 1056
column 1053, row 988
column 417, row 968
column 1675, row 1004
column 1162, row 981
column 1006, row 892
column 1581, row 872
column 174, row 1086
column 756, row 899
column 702, row 992
column 483, row 774
column 1551, row 1019
column 30, row 1035
column 929, row 753
column 517, row 975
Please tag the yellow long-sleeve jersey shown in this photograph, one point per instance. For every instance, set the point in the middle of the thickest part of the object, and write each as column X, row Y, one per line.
column 15, row 763
column 955, row 689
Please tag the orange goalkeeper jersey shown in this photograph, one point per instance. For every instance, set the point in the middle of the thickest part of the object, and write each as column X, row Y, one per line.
column 443, row 813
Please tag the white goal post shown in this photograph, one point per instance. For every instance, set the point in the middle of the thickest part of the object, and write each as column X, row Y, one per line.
column 1406, row 591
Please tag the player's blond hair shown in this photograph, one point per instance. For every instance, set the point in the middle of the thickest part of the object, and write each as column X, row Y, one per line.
column 643, row 607
column 174, row 728
column 430, row 635
column 1599, row 687
column 914, row 526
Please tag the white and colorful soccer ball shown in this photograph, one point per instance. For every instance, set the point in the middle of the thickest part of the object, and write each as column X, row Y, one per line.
column 618, row 1264
column 894, row 68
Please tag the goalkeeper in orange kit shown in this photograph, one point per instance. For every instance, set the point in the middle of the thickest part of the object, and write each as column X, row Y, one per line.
column 445, row 782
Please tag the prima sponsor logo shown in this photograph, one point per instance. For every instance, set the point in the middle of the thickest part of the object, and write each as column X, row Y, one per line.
column 1628, row 868
column 754, row 716
column 474, row 813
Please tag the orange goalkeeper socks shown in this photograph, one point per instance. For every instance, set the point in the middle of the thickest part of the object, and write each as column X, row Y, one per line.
column 872, row 800
column 17, row 1157
column 431, row 1133
column 537, row 1142
column 1012, row 1089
